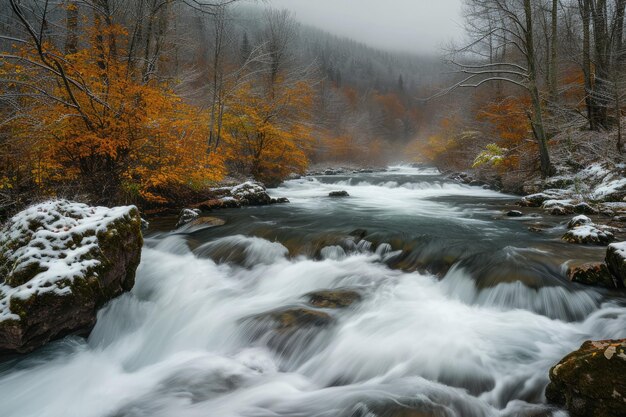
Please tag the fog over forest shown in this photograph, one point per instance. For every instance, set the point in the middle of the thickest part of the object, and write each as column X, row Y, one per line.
column 421, row 26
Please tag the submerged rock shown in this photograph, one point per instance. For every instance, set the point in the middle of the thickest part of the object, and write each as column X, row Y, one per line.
column 514, row 213
column 333, row 298
column 590, row 381
column 61, row 261
column 594, row 273
column 616, row 261
column 207, row 222
column 338, row 194
column 289, row 320
column 280, row 200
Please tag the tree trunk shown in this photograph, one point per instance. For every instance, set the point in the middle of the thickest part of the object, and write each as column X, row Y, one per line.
column 600, row 92
column 552, row 78
column 585, row 11
column 537, row 116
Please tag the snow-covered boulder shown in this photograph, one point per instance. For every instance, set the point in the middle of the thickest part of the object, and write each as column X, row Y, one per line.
column 249, row 193
column 616, row 261
column 534, row 200
column 589, row 234
column 579, row 221
column 187, row 215
column 558, row 207
column 59, row 262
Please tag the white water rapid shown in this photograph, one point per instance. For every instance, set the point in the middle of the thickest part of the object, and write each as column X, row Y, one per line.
column 185, row 341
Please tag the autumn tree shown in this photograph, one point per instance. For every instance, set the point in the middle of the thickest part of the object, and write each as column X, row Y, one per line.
column 507, row 26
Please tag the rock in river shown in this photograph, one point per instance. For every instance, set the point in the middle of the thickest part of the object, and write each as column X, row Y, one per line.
column 616, row 261
column 186, row 216
column 590, row 381
column 59, row 262
column 594, row 273
column 338, row 194
column 579, row 221
column 333, row 298
column 589, row 234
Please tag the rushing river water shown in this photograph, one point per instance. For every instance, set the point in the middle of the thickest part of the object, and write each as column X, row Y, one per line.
column 462, row 313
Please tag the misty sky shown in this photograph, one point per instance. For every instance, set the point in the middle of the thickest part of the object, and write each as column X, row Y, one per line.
column 413, row 25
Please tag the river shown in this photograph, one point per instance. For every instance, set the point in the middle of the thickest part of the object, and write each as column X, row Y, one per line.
column 462, row 312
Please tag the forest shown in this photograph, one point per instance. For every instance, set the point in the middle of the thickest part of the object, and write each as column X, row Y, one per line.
column 107, row 99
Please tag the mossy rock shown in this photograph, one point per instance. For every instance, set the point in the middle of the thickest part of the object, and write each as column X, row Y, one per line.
column 80, row 268
column 590, row 382
column 593, row 273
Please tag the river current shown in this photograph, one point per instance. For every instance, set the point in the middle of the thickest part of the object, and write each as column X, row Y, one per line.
column 462, row 312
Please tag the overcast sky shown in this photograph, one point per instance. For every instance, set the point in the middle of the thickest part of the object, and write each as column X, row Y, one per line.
column 413, row 25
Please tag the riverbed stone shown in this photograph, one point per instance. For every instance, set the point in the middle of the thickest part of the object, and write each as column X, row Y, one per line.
column 593, row 273
column 291, row 319
column 337, row 194
column 207, row 221
column 589, row 234
column 616, row 261
column 333, row 298
column 514, row 213
column 590, row 381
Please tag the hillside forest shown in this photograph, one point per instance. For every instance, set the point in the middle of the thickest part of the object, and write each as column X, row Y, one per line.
column 110, row 101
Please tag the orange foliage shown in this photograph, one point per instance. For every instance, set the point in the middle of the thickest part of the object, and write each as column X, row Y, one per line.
column 105, row 130
column 268, row 137
column 508, row 123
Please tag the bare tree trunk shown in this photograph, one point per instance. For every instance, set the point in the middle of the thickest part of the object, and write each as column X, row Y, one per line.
column 600, row 93
column 537, row 116
column 585, row 11
column 552, row 69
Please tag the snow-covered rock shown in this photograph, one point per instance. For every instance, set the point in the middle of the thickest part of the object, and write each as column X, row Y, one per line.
column 537, row 199
column 59, row 262
column 589, row 234
column 616, row 261
column 558, row 207
column 579, row 221
column 249, row 193
column 186, row 216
